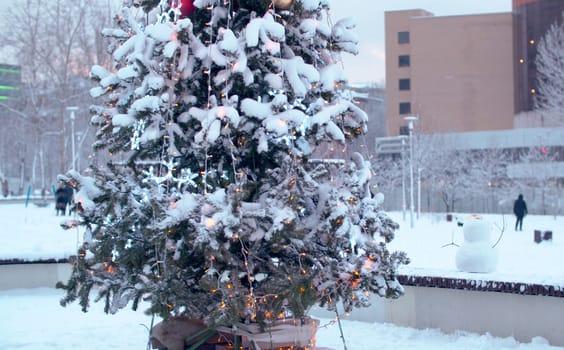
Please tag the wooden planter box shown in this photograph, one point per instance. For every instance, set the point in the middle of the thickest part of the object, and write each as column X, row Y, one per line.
column 181, row 333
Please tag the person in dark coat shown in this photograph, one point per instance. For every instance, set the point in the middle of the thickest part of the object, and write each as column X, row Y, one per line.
column 70, row 198
column 520, row 210
column 61, row 200
column 5, row 189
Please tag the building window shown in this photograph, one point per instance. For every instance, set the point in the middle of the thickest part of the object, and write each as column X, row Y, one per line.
column 403, row 61
column 404, row 130
column 403, row 37
column 404, row 108
column 404, row 84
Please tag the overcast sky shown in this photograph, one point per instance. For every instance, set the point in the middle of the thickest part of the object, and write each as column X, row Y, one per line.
column 368, row 65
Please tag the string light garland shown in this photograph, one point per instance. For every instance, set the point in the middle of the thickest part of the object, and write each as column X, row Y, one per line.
column 231, row 222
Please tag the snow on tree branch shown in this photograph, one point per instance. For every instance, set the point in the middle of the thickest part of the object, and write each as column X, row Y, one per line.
column 549, row 99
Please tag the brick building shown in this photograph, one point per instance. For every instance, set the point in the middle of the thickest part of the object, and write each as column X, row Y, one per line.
column 464, row 73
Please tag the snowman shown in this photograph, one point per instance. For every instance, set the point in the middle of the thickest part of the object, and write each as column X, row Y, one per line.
column 477, row 253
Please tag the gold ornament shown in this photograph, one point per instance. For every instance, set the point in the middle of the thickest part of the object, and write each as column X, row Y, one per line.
column 283, row 4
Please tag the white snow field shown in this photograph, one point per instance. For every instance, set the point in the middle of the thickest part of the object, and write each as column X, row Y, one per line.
column 33, row 318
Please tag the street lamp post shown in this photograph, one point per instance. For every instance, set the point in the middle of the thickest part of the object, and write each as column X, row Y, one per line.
column 72, row 109
column 403, row 204
column 410, row 119
column 419, row 170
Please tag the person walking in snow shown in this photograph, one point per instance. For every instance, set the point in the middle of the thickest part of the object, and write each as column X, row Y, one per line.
column 5, row 189
column 61, row 200
column 70, row 198
column 520, row 210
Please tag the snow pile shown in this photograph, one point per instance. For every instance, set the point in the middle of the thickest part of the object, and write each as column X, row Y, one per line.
column 54, row 328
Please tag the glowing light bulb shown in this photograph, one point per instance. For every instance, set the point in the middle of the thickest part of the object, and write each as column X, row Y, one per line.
column 210, row 223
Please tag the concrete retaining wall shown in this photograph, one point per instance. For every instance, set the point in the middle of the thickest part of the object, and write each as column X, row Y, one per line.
column 500, row 314
column 34, row 275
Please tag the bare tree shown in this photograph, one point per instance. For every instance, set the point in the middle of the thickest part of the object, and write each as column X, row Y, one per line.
column 388, row 177
column 55, row 42
column 536, row 172
column 488, row 169
column 454, row 175
column 549, row 99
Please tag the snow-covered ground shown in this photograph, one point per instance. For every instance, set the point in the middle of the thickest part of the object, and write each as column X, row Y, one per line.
column 33, row 319
column 429, row 246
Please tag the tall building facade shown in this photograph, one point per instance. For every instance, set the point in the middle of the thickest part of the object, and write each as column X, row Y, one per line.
column 455, row 72
column 531, row 19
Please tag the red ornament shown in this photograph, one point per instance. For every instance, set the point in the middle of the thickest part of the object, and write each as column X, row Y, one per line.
column 187, row 7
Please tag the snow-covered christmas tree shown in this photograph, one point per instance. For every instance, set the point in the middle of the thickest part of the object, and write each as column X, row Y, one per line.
column 213, row 203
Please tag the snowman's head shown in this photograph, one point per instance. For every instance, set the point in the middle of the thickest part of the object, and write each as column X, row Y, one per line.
column 476, row 229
